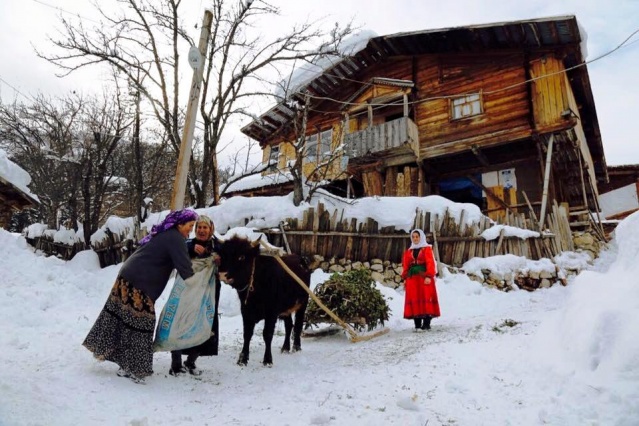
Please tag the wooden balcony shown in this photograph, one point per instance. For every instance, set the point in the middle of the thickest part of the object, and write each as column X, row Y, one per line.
column 399, row 133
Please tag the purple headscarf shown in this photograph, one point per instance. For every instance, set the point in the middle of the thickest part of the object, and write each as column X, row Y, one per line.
column 177, row 217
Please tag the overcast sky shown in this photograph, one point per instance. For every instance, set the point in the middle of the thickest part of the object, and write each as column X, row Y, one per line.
column 614, row 78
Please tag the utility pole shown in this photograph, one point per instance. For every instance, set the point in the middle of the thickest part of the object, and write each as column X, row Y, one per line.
column 196, row 59
column 137, row 152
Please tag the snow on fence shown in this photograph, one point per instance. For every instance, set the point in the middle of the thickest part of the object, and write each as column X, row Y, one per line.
column 332, row 236
column 454, row 241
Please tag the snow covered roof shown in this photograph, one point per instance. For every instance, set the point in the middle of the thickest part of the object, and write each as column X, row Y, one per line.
column 259, row 181
column 14, row 181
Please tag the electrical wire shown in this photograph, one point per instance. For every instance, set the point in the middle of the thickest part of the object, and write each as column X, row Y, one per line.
column 66, row 11
column 326, row 98
column 16, row 90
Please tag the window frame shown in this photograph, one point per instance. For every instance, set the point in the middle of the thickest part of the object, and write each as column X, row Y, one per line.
column 275, row 150
column 325, row 144
column 472, row 102
column 310, row 146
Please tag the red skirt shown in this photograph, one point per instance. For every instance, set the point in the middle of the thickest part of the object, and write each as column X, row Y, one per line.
column 420, row 299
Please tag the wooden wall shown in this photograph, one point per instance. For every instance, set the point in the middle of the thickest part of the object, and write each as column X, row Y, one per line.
column 549, row 92
column 500, row 80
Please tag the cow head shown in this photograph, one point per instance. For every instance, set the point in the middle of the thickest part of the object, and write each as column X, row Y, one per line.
column 237, row 255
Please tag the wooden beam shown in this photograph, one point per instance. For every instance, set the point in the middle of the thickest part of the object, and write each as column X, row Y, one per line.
column 532, row 212
column 480, row 169
column 544, row 197
column 489, row 192
column 480, row 155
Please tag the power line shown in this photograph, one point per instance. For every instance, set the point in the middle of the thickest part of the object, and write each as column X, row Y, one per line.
column 326, row 98
column 16, row 90
column 66, row 11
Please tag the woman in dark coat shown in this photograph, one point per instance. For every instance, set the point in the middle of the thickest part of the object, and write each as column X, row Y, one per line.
column 418, row 271
column 204, row 244
column 123, row 332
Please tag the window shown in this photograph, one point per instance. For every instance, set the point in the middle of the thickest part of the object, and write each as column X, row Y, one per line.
column 318, row 146
column 311, row 148
column 466, row 106
column 325, row 140
column 273, row 157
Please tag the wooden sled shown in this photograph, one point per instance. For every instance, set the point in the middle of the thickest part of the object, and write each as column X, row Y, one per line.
column 354, row 335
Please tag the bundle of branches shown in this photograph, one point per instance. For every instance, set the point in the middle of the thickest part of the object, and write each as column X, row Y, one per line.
column 352, row 296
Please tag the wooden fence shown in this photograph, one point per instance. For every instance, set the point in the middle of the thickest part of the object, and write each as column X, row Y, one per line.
column 52, row 248
column 331, row 235
column 111, row 251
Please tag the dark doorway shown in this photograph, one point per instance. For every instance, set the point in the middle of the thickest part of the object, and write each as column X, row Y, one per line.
column 462, row 190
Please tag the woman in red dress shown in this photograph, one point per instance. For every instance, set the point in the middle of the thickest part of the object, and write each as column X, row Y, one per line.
column 419, row 270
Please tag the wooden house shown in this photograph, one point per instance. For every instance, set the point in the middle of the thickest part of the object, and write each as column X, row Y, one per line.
column 501, row 115
column 619, row 198
column 13, row 199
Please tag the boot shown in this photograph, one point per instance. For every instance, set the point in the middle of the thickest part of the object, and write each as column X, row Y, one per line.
column 176, row 364
column 177, row 370
column 418, row 323
column 426, row 323
column 190, row 364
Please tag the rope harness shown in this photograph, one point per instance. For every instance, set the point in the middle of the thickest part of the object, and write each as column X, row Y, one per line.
column 250, row 284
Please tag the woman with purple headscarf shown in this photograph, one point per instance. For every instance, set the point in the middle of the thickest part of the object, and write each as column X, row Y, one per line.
column 123, row 332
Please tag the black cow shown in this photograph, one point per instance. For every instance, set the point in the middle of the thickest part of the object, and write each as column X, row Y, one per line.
column 267, row 292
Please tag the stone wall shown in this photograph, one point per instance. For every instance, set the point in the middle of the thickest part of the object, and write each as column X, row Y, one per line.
column 389, row 273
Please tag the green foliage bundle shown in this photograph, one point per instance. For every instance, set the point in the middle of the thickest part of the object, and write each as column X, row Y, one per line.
column 352, row 296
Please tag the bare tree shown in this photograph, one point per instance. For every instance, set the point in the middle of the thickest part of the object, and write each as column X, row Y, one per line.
column 311, row 167
column 156, row 162
column 239, row 167
column 142, row 42
column 67, row 146
column 107, row 121
column 40, row 138
column 236, row 58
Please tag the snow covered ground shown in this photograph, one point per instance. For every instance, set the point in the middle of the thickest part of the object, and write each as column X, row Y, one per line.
column 560, row 356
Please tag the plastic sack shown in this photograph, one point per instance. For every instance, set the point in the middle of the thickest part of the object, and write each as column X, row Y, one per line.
column 187, row 317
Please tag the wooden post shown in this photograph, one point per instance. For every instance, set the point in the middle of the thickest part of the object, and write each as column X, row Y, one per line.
column 583, row 185
column 544, row 197
column 288, row 248
column 370, row 116
column 179, row 184
column 405, row 105
column 532, row 211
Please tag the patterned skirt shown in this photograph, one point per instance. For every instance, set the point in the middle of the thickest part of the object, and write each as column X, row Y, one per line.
column 123, row 332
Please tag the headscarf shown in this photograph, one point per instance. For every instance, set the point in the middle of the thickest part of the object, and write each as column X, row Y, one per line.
column 177, row 217
column 422, row 239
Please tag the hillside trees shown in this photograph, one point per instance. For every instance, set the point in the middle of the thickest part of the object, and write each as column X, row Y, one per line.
column 40, row 138
column 68, row 147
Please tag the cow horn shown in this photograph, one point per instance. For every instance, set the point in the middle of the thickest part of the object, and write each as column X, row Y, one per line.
column 256, row 242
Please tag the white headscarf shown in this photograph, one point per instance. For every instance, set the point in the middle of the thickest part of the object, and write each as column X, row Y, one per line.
column 422, row 239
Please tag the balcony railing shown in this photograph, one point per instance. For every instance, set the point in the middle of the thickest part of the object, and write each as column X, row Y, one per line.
column 382, row 137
